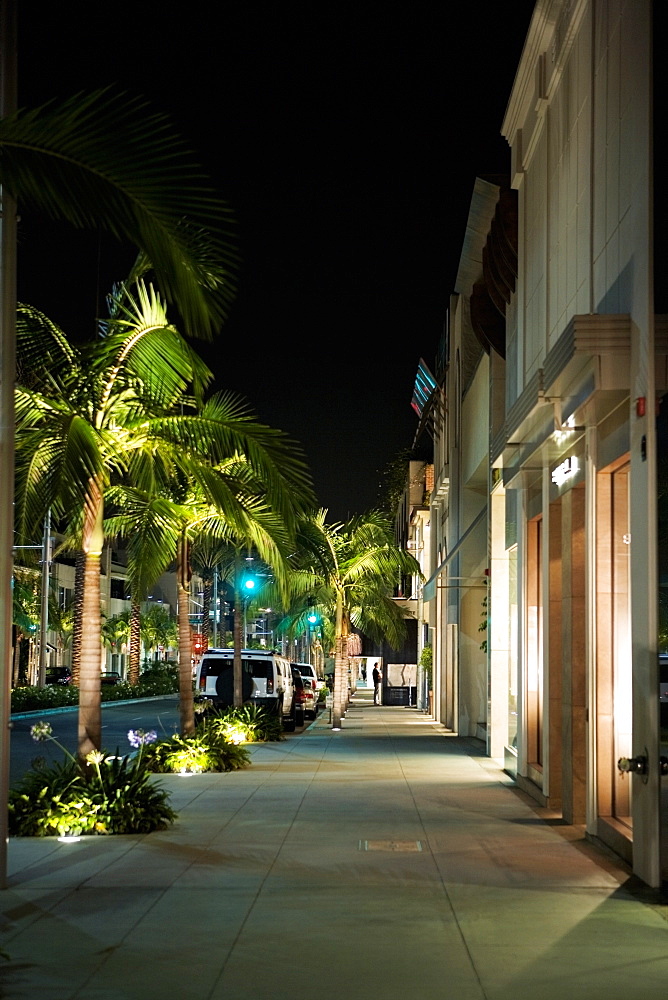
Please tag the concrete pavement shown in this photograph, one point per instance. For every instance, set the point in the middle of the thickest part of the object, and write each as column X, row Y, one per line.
column 388, row 860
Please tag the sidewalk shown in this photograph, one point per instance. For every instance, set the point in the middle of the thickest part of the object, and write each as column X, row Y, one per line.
column 384, row 861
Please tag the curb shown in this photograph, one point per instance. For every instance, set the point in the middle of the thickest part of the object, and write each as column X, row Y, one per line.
column 75, row 708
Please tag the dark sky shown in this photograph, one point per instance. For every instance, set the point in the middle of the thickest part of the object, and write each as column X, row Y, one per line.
column 346, row 138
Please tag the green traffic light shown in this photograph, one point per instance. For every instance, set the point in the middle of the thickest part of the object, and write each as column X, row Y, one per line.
column 249, row 584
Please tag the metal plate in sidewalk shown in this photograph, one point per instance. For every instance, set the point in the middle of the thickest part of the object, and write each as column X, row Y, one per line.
column 405, row 846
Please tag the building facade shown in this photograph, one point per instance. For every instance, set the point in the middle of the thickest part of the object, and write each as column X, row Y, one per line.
column 545, row 491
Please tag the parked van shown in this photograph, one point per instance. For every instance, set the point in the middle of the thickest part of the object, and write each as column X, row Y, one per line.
column 266, row 679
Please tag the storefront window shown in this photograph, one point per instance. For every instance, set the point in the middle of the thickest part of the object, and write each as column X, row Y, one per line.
column 512, row 648
column 534, row 643
column 613, row 645
column 622, row 640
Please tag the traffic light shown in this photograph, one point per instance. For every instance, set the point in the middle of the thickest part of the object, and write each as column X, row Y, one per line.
column 312, row 619
column 249, row 584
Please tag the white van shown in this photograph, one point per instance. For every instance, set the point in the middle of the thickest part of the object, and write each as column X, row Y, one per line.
column 266, row 679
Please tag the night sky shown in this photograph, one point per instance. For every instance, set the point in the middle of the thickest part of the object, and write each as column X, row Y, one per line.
column 346, row 138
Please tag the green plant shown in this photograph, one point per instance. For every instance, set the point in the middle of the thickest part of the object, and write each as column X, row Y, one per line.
column 132, row 801
column 31, row 699
column 185, row 754
column 206, row 750
column 109, row 795
column 427, row 661
column 260, row 724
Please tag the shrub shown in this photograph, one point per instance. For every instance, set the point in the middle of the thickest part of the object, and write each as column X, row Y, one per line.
column 110, row 795
column 256, row 723
column 206, row 750
column 30, row 699
column 162, row 670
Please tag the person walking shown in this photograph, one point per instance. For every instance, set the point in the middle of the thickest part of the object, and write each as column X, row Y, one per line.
column 377, row 677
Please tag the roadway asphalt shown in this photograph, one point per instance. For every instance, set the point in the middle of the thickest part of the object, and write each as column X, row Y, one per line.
column 388, row 860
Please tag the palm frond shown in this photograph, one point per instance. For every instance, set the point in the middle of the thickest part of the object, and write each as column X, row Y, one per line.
column 41, row 346
column 139, row 343
column 104, row 160
column 150, row 526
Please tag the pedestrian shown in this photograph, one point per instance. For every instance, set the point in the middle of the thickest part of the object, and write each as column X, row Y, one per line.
column 377, row 677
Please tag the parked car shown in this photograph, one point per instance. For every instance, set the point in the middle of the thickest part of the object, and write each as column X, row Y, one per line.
column 110, row 677
column 308, row 670
column 266, row 679
column 300, row 696
column 311, row 694
column 311, row 698
column 58, row 675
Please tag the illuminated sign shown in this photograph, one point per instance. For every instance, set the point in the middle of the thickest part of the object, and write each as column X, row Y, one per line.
column 425, row 384
column 565, row 470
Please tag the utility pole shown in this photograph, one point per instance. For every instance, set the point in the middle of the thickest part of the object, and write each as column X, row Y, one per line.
column 44, row 613
column 214, row 637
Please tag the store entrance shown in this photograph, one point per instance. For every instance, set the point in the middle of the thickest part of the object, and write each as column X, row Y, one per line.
column 613, row 650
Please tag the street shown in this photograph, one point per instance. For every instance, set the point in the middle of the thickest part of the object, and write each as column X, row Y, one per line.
column 161, row 714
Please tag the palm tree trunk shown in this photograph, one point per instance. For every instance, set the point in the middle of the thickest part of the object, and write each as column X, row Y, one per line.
column 186, row 708
column 205, row 627
column 90, row 700
column 17, row 658
column 340, row 665
column 135, row 642
column 77, row 617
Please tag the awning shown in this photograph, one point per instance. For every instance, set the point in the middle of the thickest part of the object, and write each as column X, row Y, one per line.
column 429, row 589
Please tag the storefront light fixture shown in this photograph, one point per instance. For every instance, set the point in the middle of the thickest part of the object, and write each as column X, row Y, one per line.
column 565, row 470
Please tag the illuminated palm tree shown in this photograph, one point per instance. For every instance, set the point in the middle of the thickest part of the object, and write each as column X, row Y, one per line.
column 87, row 415
column 347, row 572
column 224, row 505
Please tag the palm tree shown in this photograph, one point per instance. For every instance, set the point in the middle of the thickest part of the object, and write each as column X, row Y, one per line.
column 25, row 611
column 115, row 631
column 226, row 507
column 347, row 572
column 158, row 627
column 206, row 556
column 96, row 412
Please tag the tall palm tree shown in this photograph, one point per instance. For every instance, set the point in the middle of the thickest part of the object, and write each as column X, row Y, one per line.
column 104, row 410
column 206, row 556
column 347, row 572
column 226, row 506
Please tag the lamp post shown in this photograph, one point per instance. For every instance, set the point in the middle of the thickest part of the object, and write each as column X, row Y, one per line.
column 311, row 622
column 214, row 636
